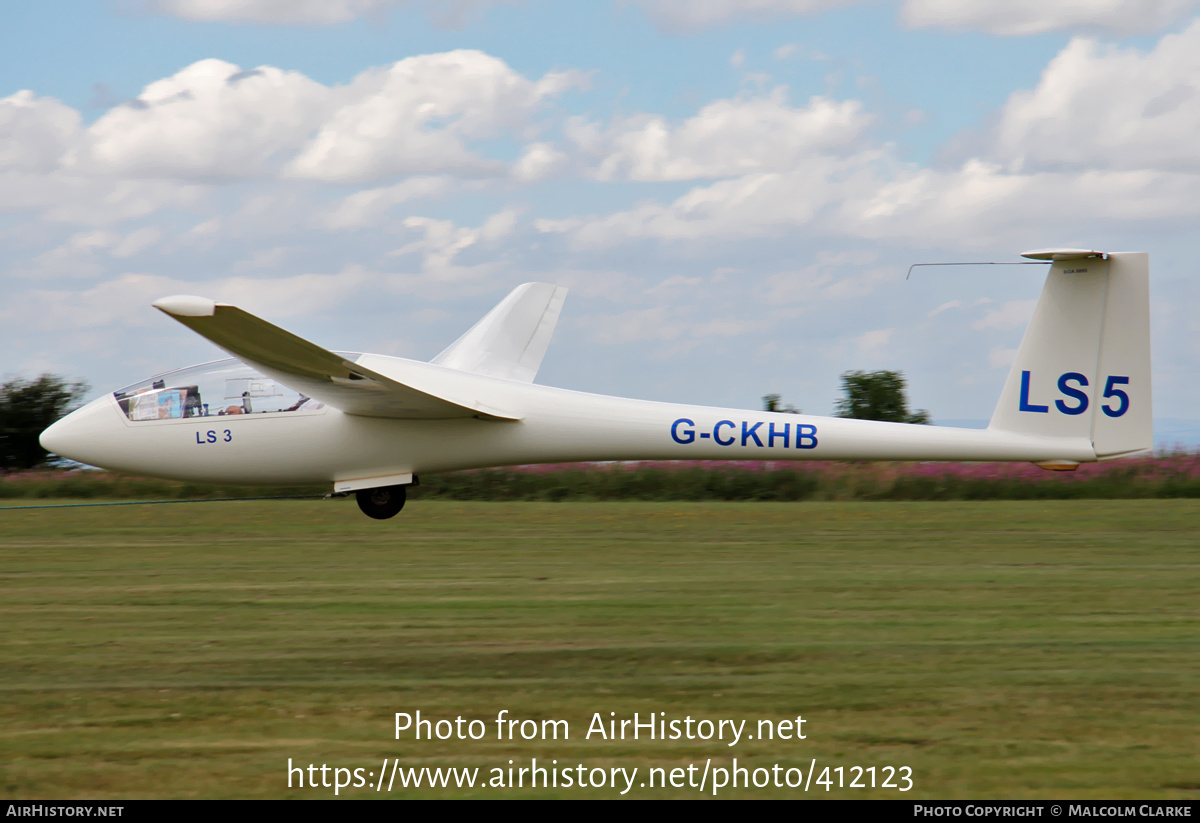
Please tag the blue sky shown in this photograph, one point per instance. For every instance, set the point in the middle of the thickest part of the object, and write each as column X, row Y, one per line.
column 732, row 191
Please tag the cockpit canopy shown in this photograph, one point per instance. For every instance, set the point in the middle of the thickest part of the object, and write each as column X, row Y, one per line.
column 223, row 387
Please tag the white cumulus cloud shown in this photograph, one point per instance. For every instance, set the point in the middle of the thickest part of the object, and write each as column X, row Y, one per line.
column 874, row 340
column 304, row 12
column 1099, row 106
column 1010, row 315
column 725, row 138
column 1017, row 17
column 213, row 121
column 753, row 205
column 1001, row 17
column 448, row 13
column 981, row 202
column 539, row 161
column 371, row 206
column 416, row 116
column 209, row 120
column 35, row 131
column 442, row 240
column 688, row 15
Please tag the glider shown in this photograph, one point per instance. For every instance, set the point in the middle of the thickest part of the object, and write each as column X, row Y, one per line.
column 284, row 410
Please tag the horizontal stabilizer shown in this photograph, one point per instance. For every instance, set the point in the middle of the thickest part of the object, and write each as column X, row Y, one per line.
column 311, row 370
column 511, row 340
column 1063, row 254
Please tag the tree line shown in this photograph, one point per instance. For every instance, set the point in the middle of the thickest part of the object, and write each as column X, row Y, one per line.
column 27, row 407
column 875, row 395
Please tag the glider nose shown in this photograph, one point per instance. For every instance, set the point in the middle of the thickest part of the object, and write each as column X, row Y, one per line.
column 75, row 436
column 61, row 437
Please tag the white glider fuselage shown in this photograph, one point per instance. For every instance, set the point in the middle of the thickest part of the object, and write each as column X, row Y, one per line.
column 556, row 426
column 287, row 411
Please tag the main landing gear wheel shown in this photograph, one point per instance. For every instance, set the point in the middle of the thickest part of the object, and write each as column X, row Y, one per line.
column 383, row 502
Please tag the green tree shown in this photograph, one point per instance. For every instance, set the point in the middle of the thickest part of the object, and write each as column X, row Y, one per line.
column 774, row 403
column 27, row 407
column 877, row 395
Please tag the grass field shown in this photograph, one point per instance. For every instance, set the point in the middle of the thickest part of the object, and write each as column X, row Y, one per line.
column 999, row 649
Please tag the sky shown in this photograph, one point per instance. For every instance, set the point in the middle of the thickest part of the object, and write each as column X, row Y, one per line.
column 732, row 190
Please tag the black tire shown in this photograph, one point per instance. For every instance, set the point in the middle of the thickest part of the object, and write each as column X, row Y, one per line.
column 383, row 502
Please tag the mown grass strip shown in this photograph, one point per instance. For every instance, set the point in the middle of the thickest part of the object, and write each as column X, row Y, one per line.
column 1028, row 649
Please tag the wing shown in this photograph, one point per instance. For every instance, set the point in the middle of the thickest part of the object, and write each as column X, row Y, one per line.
column 511, row 340
column 314, row 371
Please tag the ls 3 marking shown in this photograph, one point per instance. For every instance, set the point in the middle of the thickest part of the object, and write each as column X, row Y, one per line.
column 1076, row 393
column 211, row 437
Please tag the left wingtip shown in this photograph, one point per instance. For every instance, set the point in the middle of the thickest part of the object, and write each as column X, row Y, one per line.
column 186, row 305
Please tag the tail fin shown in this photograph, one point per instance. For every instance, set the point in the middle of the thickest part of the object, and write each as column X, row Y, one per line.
column 511, row 340
column 1083, row 369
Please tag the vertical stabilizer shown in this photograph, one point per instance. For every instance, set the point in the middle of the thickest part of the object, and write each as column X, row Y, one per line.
column 1083, row 368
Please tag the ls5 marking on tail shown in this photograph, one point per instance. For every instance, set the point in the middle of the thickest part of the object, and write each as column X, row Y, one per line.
column 1076, row 394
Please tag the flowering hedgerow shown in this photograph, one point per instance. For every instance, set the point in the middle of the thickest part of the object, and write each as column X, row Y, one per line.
column 1165, row 475
column 1174, row 475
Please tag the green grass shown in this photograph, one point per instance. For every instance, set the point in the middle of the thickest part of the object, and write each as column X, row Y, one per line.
column 1000, row 649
